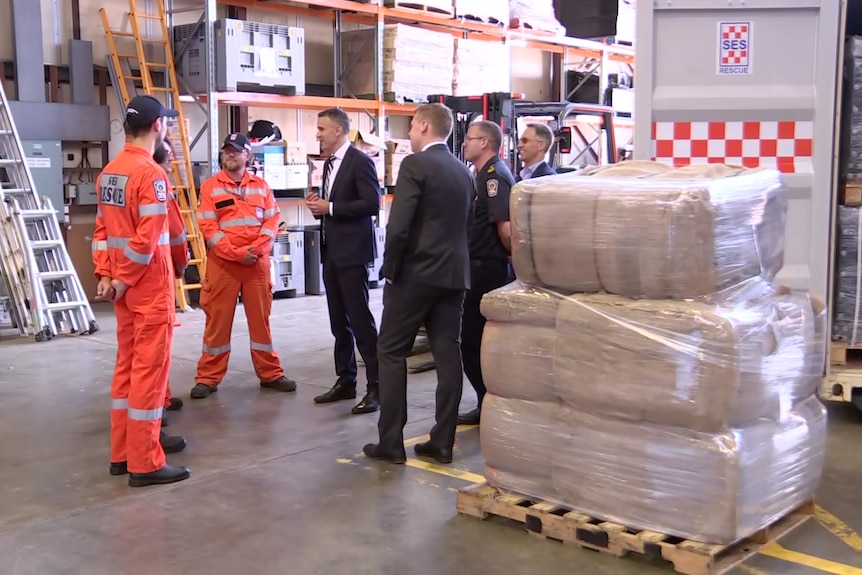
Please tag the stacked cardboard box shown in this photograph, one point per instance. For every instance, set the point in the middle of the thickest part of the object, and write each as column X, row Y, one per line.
column 396, row 151
column 481, row 67
column 645, row 369
column 416, row 63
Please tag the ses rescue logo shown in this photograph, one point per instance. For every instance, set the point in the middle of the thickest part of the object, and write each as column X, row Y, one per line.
column 734, row 48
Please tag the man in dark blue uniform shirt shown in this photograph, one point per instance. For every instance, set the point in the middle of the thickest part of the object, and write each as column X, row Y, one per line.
column 490, row 246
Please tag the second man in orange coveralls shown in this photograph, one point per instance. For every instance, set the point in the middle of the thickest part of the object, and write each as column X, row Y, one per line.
column 239, row 218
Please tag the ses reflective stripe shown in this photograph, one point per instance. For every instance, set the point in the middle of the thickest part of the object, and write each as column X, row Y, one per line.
column 100, row 246
column 215, row 350
column 145, row 414
column 255, row 192
column 261, row 346
column 179, row 240
column 239, row 223
column 270, row 213
column 268, row 232
column 207, row 215
column 247, row 191
column 121, row 243
column 215, row 239
column 120, row 403
column 152, row 210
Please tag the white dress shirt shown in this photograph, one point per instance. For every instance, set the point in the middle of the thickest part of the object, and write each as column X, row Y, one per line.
column 337, row 158
column 528, row 171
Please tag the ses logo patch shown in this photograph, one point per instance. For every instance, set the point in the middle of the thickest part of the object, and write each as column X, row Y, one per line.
column 734, row 48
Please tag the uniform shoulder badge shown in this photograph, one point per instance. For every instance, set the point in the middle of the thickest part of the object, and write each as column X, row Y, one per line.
column 491, row 170
column 491, row 186
column 160, row 187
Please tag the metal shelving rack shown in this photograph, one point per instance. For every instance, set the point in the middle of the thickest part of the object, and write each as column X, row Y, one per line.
column 568, row 54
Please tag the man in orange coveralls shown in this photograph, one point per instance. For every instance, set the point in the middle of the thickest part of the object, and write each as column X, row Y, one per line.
column 163, row 156
column 239, row 218
column 133, row 263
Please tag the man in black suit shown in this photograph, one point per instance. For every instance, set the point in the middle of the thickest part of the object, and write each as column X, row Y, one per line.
column 533, row 146
column 349, row 198
column 426, row 266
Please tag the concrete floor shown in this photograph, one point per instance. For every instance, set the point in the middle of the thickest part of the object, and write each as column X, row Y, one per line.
column 278, row 485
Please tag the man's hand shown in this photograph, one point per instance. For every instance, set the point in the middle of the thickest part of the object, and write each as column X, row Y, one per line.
column 119, row 289
column 250, row 258
column 104, row 291
column 180, row 272
column 318, row 206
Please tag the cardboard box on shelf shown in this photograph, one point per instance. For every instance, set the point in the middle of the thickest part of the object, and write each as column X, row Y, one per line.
column 398, row 146
column 367, row 142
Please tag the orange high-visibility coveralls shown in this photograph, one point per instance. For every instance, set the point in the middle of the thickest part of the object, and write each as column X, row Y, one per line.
column 232, row 218
column 179, row 253
column 132, row 244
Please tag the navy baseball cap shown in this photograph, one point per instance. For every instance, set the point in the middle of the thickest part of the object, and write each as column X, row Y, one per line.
column 144, row 110
column 238, row 141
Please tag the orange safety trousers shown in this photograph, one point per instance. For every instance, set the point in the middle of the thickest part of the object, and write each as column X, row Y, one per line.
column 224, row 282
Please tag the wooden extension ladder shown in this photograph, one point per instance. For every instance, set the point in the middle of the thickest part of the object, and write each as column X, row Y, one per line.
column 132, row 74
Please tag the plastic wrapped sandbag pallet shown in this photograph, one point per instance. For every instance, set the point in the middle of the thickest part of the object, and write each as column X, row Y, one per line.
column 480, row 67
column 488, row 11
column 723, row 360
column 641, row 229
column 852, row 128
column 536, row 16
column 711, row 487
column 848, row 271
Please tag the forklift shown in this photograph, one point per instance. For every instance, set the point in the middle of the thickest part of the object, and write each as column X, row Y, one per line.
column 506, row 109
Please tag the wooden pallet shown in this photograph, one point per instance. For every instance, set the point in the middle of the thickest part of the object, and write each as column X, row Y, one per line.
column 487, row 19
column 560, row 523
column 441, row 7
column 526, row 27
column 852, row 194
column 842, row 351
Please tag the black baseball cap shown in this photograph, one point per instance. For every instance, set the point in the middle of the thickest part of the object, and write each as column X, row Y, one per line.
column 144, row 110
column 238, row 141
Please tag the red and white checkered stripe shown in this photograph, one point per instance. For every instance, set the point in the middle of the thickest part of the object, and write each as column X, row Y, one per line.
column 785, row 146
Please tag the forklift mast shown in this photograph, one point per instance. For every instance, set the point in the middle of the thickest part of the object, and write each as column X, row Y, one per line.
column 504, row 109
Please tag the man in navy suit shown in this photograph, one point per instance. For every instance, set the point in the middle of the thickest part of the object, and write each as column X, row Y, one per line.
column 349, row 198
column 533, row 146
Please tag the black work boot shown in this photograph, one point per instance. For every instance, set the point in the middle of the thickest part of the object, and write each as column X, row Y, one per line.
column 167, row 474
column 280, row 384
column 175, row 404
column 172, row 443
column 119, row 468
column 200, row 391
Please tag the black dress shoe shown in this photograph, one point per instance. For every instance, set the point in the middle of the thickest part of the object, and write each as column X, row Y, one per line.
column 369, row 404
column 164, row 420
column 167, row 474
column 175, row 404
column 470, row 418
column 436, row 453
column 200, row 391
column 280, row 384
column 172, row 443
column 373, row 451
column 119, row 468
column 341, row 390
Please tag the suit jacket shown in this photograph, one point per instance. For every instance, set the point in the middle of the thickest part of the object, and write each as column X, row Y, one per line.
column 543, row 169
column 355, row 195
column 431, row 213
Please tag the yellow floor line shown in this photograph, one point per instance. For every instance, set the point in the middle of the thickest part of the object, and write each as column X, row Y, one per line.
column 445, row 470
column 776, row 551
column 838, row 528
column 423, row 438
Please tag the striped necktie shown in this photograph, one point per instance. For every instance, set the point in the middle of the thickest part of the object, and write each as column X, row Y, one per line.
column 327, row 172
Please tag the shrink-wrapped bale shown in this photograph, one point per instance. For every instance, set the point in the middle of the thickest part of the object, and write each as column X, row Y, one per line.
column 518, row 342
column 692, row 364
column 648, row 232
column 709, row 487
column 848, row 277
column 796, row 367
column 518, row 446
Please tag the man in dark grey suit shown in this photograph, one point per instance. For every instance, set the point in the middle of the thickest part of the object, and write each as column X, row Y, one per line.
column 426, row 266
column 533, row 146
column 350, row 197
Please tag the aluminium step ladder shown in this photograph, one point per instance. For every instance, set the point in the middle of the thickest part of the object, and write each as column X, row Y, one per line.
column 43, row 287
column 132, row 74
